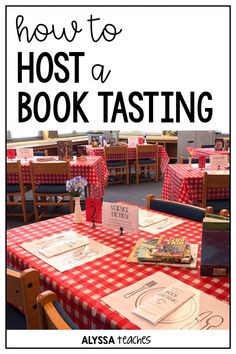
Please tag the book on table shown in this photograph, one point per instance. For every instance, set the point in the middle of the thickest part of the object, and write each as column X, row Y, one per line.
column 142, row 253
column 215, row 253
column 147, row 246
column 163, row 303
column 145, row 254
column 169, row 247
column 187, row 256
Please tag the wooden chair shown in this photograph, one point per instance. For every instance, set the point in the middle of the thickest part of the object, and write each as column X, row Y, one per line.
column 117, row 167
column 22, row 291
column 43, row 192
column 51, row 315
column 178, row 209
column 148, row 164
column 16, row 192
column 41, row 310
column 213, row 181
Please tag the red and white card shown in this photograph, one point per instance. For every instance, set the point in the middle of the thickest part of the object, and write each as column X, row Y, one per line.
column 93, row 210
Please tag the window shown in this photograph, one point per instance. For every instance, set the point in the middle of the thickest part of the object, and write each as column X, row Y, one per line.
column 62, row 132
column 17, row 135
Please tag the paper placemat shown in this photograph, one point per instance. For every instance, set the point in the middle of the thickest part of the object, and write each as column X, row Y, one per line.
column 147, row 218
column 60, row 243
column 202, row 311
column 70, row 259
column 163, row 224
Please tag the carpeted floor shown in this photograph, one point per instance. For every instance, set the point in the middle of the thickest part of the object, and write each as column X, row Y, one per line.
column 132, row 193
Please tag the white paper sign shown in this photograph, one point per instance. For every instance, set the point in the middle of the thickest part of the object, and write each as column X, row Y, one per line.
column 133, row 141
column 24, row 153
column 117, row 215
column 218, row 161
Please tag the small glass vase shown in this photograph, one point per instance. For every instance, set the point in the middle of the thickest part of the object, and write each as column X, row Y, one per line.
column 78, row 217
column 190, row 167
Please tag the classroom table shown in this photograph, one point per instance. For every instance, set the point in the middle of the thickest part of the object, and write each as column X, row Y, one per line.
column 184, row 185
column 81, row 289
column 93, row 168
column 196, row 152
column 162, row 155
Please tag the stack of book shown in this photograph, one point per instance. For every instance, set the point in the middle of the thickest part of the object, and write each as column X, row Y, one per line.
column 165, row 250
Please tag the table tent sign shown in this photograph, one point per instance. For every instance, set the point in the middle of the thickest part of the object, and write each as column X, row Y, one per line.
column 24, row 153
column 120, row 217
column 93, row 210
column 218, row 161
column 133, row 141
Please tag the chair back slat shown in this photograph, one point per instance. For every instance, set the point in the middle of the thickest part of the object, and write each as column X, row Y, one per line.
column 14, row 289
column 13, row 167
column 212, row 181
column 53, row 319
column 149, row 151
column 217, row 181
column 49, row 317
column 16, row 188
column 41, row 171
column 45, row 178
column 146, row 149
column 22, row 291
column 111, row 151
column 59, row 167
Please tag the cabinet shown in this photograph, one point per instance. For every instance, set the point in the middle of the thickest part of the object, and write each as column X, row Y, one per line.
column 195, row 139
column 170, row 146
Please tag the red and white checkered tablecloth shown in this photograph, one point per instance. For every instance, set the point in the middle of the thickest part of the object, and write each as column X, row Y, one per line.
column 81, row 289
column 93, row 168
column 162, row 154
column 185, row 186
column 196, row 152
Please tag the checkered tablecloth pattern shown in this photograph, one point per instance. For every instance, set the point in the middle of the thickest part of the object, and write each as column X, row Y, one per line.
column 93, row 168
column 80, row 289
column 185, row 186
column 162, row 154
column 196, row 152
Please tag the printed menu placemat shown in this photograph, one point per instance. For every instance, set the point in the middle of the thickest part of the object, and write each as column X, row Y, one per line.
column 86, row 252
column 201, row 311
